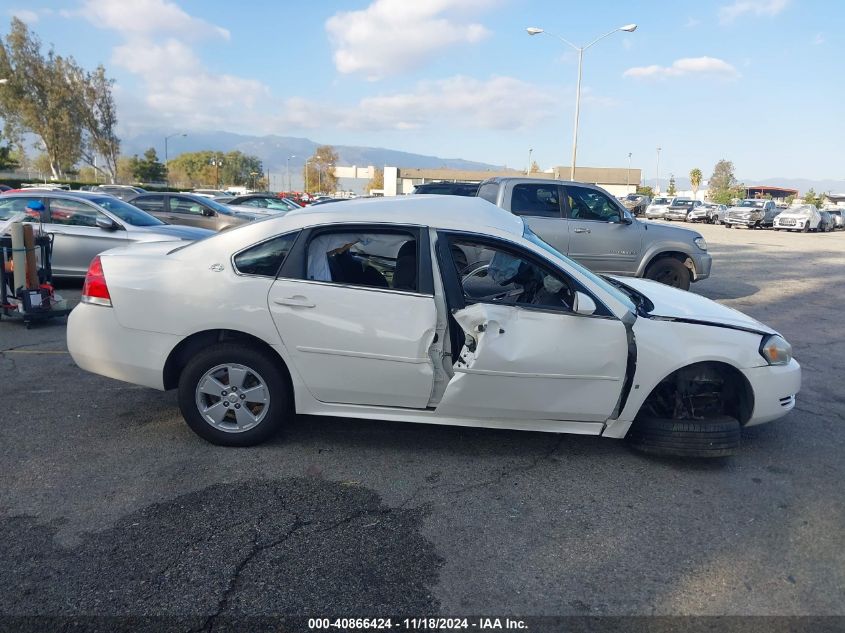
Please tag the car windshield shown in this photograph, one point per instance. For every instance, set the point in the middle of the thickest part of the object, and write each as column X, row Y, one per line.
column 220, row 208
column 752, row 203
column 682, row 203
column 126, row 212
column 661, row 201
column 613, row 291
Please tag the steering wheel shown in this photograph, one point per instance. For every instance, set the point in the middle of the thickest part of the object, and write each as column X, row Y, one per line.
column 478, row 270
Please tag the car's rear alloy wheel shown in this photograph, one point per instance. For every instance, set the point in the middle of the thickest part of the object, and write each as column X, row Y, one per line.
column 715, row 437
column 233, row 395
column 669, row 271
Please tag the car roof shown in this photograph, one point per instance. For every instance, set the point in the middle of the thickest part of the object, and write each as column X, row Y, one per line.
column 56, row 193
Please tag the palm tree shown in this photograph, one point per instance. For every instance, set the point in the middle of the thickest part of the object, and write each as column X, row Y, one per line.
column 695, row 180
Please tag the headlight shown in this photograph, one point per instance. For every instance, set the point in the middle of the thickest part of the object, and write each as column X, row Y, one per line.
column 701, row 243
column 776, row 350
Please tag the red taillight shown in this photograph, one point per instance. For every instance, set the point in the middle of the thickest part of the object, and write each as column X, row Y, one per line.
column 95, row 289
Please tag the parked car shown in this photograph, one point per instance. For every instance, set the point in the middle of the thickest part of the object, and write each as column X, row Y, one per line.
column 838, row 218
column 364, row 310
column 209, row 193
column 657, row 209
column 84, row 224
column 681, row 208
column 4, row 188
column 827, row 222
column 262, row 203
column 802, row 217
column 752, row 213
column 592, row 227
column 191, row 210
column 448, row 188
column 124, row 192
column 636, row 203
column 708, row 212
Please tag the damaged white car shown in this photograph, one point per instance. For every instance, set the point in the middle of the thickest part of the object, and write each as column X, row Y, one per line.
column 432, row 309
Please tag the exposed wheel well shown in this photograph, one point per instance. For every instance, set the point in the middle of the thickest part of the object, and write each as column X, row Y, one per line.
column 685, row 259
column 701, row 391
column 186, row 349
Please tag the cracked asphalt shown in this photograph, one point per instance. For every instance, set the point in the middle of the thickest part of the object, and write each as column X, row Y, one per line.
column 110, row 506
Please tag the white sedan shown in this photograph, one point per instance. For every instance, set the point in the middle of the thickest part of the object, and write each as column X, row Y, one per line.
column 432, row 309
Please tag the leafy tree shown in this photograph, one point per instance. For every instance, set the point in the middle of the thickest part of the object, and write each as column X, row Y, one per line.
column 8, row 159
column 671, row 189
column 790, row 199
column 320, row 176
column 535, row 168
column 148, row 168
column 695, row 180
column 376, row 182
column 208, row 168
column 98, row 117
column 723, row 187
column 41, row 164
column 645, row 191
column 39, row 97
column 125, row 170
column 811, row 197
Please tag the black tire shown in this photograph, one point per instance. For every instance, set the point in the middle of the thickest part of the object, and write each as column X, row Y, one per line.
column 278, row 407
column 669, row 271
column 717, row 437
column 728, row 225
column 806, row 228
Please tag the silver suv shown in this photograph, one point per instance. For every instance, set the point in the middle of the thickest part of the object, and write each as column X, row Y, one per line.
column 591, row 226
column 752, row 213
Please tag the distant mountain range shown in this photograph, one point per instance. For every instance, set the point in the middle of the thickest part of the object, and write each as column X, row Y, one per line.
column 274, row 151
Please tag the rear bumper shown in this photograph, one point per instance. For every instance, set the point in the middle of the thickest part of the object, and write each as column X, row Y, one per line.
column 99, row 344
column 774, row 389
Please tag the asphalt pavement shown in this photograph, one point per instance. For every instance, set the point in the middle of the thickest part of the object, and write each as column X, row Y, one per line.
column 111, row 506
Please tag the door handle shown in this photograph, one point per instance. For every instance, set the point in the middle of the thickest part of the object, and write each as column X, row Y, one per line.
column 297, row 301
column 582, row 230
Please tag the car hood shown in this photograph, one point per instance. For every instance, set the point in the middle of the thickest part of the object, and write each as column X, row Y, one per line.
column 798, row 215
column 174, row 232
column 673, row 304
column 669, row 232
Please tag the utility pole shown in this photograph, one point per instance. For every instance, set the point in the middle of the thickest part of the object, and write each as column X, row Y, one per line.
column 657, row 173
column 628, row 175
column 528, row 171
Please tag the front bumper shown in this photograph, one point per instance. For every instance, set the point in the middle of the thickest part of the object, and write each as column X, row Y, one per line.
column 702, row 262
column 742, row 221
column 774, row 387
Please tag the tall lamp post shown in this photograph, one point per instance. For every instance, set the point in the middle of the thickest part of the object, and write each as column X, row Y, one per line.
column 288, row 169
column 628, row 175
column 217, row 161
column 528, row 170
column 657, row 171
column 533, row 30
column 167, row 138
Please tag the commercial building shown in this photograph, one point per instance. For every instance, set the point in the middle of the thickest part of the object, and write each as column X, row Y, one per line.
column 400, row 181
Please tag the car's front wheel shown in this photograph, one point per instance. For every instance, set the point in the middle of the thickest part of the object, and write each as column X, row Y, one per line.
column 669, row 271
column 715, row 437
column 234, row 395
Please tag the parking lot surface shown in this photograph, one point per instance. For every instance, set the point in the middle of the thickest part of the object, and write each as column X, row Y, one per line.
column 110, row 505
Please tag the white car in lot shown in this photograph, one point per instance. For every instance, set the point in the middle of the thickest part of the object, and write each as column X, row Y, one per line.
column 431, row 309
column 804, row 217
column 658, row 207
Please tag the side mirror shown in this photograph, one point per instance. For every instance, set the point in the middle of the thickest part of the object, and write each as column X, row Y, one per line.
column 107, row 224
column 583, row 304
column 209, row 213
column 627, row 218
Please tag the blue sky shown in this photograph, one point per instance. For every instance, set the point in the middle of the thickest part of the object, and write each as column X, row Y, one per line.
column 758, row 82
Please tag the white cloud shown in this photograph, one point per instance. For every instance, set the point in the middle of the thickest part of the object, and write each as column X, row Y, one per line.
column 819, row 39
column 498, row 103
column 685, row 66
column 30, row 16
column 759, row 8
column 147, row 17
column 391, row 36
column 691, row 23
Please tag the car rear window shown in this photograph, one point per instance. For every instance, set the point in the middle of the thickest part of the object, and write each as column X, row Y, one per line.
column 265, row 259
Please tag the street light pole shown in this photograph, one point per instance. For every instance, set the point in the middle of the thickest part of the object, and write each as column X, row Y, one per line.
column 533, row 30
column 628, row 175
column 657, row 173
column 166, row 138
column 528, row 171
column 288, row 169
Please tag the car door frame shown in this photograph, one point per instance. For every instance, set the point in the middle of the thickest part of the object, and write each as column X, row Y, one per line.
column 456, row 302
column 394, row 368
